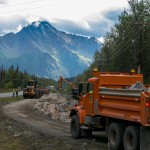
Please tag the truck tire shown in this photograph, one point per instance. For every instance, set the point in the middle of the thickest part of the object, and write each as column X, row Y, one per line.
column 75, row 127
column 131, row 138
column 115, row 136
column 40, row 93
column 36, row 94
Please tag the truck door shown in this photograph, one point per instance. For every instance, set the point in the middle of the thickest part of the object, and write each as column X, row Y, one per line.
column 86, row 91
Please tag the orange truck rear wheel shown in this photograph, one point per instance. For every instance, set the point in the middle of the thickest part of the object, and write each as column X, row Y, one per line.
column 131, row 138
column 115, row 136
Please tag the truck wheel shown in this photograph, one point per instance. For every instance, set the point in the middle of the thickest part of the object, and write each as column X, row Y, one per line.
column 115, row 136
column 36, row 94
column 40, row 93
column 131, row 139
column 75, row 127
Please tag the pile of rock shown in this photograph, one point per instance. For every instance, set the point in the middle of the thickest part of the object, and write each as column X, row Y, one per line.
column 55, row 106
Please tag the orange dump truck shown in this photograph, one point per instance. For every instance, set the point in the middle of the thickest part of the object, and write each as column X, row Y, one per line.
column 118, row 103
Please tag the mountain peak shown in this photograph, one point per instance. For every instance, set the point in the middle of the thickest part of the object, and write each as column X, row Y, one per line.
column 41, row 49
column 41, row 24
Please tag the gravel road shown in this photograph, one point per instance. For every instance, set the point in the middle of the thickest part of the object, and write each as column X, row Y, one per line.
column 23, row 112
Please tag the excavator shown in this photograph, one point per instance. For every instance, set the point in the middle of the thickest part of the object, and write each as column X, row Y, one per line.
column 74, row 89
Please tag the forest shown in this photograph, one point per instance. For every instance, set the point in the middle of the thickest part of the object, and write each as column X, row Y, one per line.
column 127, row 45
column 14, row 78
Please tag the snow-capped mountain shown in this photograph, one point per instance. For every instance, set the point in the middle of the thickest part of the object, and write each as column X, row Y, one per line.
column 41, row 49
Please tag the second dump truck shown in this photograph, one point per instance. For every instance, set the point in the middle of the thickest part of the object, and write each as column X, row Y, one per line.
column 117, row 103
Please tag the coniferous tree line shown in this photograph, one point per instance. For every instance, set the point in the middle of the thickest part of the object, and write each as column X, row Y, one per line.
column 14, row 78
column 127, row 45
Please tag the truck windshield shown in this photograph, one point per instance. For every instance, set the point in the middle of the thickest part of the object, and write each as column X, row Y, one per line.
column 85, row 87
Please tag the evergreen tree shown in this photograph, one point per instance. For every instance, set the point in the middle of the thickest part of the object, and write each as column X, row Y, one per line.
column 127, row 45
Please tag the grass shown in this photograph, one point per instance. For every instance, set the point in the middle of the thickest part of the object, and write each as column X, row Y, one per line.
column 5, row 90
column 8, row 138
column 11, row 99
column 10, row 142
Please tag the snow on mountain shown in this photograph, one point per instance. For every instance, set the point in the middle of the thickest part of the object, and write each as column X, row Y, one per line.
column 41, row 49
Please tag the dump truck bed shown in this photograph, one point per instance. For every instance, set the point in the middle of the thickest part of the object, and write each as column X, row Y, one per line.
column 125, row 104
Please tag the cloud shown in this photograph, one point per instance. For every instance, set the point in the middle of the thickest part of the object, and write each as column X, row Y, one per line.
column 11, row 24
column 95, row 25
column 3, row 2
column 86, row 28
column 112, row 15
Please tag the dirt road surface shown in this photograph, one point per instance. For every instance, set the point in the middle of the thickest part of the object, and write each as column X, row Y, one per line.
column 23, row 112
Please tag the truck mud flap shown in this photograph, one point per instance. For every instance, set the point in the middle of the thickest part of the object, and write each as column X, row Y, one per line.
column 144, row 138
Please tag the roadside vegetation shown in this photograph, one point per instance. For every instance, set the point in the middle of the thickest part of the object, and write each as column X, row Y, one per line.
column 11, row 99
column 13, row 78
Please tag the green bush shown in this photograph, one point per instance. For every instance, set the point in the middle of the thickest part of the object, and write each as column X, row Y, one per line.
column 9, row 85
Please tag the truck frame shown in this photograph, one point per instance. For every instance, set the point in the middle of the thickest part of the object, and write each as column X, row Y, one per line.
column 117, row 103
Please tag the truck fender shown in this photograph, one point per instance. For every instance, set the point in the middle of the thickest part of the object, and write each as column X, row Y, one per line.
column 80, row 113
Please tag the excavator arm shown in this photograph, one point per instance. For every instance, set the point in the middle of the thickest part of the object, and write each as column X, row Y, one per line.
column 61, row 79
column 74, row 89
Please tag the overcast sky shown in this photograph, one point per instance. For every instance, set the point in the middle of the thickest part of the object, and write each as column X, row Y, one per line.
column 84, row 17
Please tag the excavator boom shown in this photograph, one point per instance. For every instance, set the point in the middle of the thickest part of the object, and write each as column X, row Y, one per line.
column 61, row 79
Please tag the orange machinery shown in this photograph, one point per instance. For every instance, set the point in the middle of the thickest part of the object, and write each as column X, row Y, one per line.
column 74, row 89
column 117, row 103
column 33, row 90
column 65, row 80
